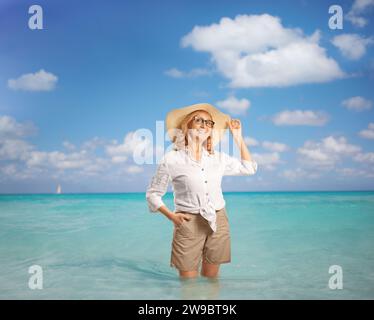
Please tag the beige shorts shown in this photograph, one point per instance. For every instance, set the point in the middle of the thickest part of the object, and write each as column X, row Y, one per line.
column 194, row 240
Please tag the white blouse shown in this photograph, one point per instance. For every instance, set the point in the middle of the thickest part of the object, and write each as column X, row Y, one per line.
column 196, row 185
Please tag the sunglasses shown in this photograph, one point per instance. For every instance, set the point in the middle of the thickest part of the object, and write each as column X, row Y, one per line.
column 199, row 121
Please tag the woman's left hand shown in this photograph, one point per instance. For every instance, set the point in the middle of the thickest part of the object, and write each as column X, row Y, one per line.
column 235, row 128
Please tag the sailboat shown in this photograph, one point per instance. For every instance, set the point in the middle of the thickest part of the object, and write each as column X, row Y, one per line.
column 58, row 191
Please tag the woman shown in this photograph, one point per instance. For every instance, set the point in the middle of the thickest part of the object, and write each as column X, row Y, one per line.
column 201, row 226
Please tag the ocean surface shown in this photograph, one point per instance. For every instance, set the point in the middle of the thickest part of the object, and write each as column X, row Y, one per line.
column 109, row 246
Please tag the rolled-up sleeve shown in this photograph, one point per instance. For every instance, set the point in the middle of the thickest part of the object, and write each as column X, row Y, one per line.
column 158, row 187
column 236, row 167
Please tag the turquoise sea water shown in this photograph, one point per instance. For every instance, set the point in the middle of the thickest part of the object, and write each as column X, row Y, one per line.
column 109, row 246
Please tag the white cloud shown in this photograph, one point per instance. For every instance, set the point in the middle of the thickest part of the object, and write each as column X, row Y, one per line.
column 10, row 128
column 357, row 103
column 132, row 143
column 16, row 172
column 27, row 162
column 68, row 145
column 197, row 72
column 347, row 171
column 300, row 118
column 10, row 169
column 119, row 158
column 38, row 81
column 369, row 132
column 234, row 105
column 258, row 51
column 314, row 153
column 298, row 173
column 174, row 73
column 82, row 162
column 83, row 159
column 58, row 159
column 339, row 145
column 93, row 144
column 359, row 7
column 275, row 146
column 14, row 149
column 352, row 46
column 97, row 165
column 326, row 153
column 355, row 172
column 365, row 157
column 134, row 169
column 250, row 141
column 267, row 161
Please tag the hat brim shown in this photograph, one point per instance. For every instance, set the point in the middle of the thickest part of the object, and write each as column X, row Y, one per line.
column 175, row 117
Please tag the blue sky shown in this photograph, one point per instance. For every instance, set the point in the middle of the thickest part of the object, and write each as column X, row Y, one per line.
column 73, row 93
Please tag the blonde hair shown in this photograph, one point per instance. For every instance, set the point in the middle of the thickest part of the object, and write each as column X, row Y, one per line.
column 181, row 140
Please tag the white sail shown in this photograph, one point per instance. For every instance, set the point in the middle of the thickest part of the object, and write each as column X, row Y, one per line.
column 58, row 189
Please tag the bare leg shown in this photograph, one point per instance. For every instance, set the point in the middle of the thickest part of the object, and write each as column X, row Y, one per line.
column 188, row 274
column 209, row 270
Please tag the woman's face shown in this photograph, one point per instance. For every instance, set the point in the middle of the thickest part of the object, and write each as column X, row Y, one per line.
column 198, row 126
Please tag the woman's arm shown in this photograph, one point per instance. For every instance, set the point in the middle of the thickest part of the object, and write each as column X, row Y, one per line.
column 232, row 165
column 166, row 212
column 236, row 130
column 157, row 189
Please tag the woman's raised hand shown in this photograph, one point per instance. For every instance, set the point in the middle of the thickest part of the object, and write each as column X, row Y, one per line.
column 235, row 128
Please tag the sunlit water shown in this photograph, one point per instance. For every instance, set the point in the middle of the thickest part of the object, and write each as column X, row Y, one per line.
column 109, row 246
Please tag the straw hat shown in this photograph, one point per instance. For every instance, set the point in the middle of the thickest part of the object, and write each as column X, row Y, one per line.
column 175, row 117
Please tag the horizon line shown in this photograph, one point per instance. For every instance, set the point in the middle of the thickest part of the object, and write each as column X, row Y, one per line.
column 143, row 192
